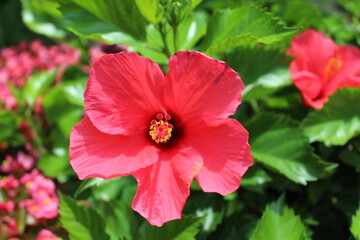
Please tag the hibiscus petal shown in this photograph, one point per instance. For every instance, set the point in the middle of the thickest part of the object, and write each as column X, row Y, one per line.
column 312, row 50
column 97, row 154
column 310, row 86
column 196, row 83
column 223, row 145
column 164, row 186
column 349, row 74
column 122, row 93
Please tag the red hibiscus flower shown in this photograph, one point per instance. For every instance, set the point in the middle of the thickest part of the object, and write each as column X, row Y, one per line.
column 321, row 67
column 163, row 130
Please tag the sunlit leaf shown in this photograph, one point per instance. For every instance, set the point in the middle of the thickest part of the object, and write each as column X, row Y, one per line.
column 267, row 84
column 182, row 229
column 74, row 91
column 279, row 222
column 37, row 84
column 59, row 108
column 279, row 144
column 245, row 26
column 152, row 10
column 355, row 225
column 123, row 14
column 191, row 30
column 298, row 12
column 338, row 121
column 255, row 179
column 81, row 222
column 55, row 166
column 84, row 24
column 120, row 219
column 111, row 189
column 351, row 6
column 42, row 17
column 88, row 183
column 245, row 60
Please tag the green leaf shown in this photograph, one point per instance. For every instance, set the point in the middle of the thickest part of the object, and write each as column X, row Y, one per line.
column 59, row 108
column 84, row 24
column 111, row 189
column 82, row 223
column 56, row 106
column 212, row 217
column 37, row 84
column 278, row 143
column 267, row 84
column 279, row 222
column 194, row 3
column 74, row 91
column 55, row 166
column 351, row 6
column 338, row 121
column 120, row 219
column 152, row 10
column 191, row 30
column 86, row 184
column 351, row 155
column 298, row 12
column 123, row 14
column 20, row 218
column 188, row 33
column 8, row 124
column 182, row 229
column 254, row 62
column 255, row 179
column 68, row 120
column 355, row 225
column 245, row 26
column 42, row 17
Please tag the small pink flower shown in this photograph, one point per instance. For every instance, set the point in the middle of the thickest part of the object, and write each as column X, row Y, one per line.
column 6, row 97
column 37, row 185
column 321, row 67
column 46, row 235
column 11, row 227
column 28, row 180
column 163, row 130
column 18, row 63
column 41, row 208
column 8, row 164
column 7, row 206
column 25, row 161
column 9, row 184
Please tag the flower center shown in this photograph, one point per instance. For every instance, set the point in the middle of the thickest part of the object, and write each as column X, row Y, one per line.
column 332, row 67
column 160, row 128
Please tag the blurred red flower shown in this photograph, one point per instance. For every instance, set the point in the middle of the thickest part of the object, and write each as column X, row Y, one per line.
column 163, row 130
column 46, row 235
column 321, row 67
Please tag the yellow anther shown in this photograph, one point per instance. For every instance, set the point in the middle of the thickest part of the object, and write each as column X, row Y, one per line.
column 160, row 131
column 332, row 67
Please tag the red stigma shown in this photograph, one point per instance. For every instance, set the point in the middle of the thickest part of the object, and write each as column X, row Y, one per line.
column 159, row 116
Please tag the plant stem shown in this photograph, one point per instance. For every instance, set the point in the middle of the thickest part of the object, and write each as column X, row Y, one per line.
column 174, row 36
column 166, row 50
